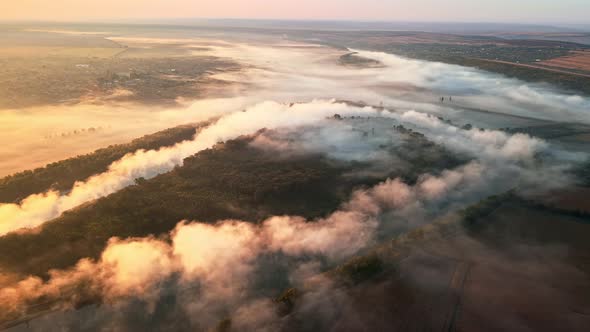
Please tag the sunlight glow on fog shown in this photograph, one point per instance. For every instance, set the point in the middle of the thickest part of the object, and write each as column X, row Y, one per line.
column 566, row 11
column 283, row 72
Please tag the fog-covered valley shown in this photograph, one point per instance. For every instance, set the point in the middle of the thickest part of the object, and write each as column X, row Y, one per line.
column 319, row 182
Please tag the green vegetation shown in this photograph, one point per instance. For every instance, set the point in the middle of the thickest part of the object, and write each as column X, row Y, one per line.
column 469, row 57
column 62, row 175
column 43, row 68
column 473, row 215
column 287, row 300
column 495, row 219
column 360, row 269
column 511, row 53
column 57, row 79
column 472, row 51
column 582, row 172
column 352, row 59
column 584, row 216
column 230, row 181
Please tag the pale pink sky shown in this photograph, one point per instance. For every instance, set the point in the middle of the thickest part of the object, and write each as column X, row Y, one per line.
column 572, row 11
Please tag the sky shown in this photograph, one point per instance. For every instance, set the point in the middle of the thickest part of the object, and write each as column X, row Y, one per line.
column 515, row 11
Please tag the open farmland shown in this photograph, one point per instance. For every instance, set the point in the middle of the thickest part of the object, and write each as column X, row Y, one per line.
column 298, row 180
column 578, row 60
column 69, row 69
column 453, row 275
column 536, row 60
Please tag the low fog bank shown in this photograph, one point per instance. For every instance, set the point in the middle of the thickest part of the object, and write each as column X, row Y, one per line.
column 206, row 273
column 39, row 208
column 493, row 146
column 473, row 88
column 201, row 275
column 210, row 271
column 282, row 71
column 54, row 133
column 290, row 72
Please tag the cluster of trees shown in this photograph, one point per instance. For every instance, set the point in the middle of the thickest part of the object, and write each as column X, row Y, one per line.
column 62, row 175
column 509, row 219
column 352, row 59
column 474, row 215
column 231, row 181
column 582, row 173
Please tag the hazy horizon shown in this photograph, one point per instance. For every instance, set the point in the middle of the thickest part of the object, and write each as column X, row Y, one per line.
column 294, row 166
column 541, row 12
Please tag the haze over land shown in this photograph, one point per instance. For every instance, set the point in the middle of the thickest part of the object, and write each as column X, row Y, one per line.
column 523, row 11
column 293, row 175
column 271, row 70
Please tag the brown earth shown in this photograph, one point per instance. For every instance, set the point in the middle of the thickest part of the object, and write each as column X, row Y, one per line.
column 560, row 71
column 571, row 199
column 578, row 60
